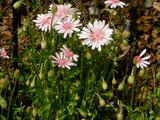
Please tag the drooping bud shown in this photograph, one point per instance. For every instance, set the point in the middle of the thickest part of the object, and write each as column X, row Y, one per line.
column 158, row 75
column 121, row 86
column 141, row 73
column 101, row 102
column 43, row 44
column 76, row 98
column 125, row 34
column 114, row 81
column 20, row 31
column 104, row 85
column 46, row 92
column 17, row 73
column 88, row 55
column 125, row 43
column 33, row 83
column 50, row 73
column 120, row 116
column 17, row 4
column 131, row 79
column 28, row 109
column 34, row 112
column 3, row 103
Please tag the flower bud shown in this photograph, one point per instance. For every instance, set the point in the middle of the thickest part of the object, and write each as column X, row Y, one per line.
column 17, row 73
column 34, row 112
column 27, row 83
column 19, row 32
column 104, row 85
column 54, row 9
column 3, row 103
column 17, row 4
column 28, row 109
column 88, row 55
column 50, row 73
column 121, row 86
column 24, row 28
column 101, row 102
column 125, row 43
column 131, row 79
column 114, row 81
column 43, row 44
column 125, row 34
column 120, row 116
column 76, row 98
column 117, row 35
column 60, row 1
column 46, row 92
column 141, row 73
column 33, row 83
column 158, row 75
column 83, row 114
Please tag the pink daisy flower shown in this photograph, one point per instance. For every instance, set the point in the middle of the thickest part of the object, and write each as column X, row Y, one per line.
column 43, row 21
column 96, row 34
column 69, row 53
column 62, row 60
column 63, row 11
column 67, row 27
column 141, row 62
column 3, row 53
column 115, row 3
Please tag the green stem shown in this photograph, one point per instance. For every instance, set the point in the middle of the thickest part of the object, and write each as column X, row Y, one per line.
column 11, row 97
column 134, row 74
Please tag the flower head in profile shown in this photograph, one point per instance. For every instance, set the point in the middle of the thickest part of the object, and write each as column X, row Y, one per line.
column 3, row 53
column 114, row 3
column 96, row 34
column 63, row 11
column 141, row 62
column 43, row 21
column 62, row 60
column 69, row 53
column 67, row 27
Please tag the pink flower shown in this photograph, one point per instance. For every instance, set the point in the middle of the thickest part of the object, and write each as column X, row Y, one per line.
column 63, row 11
column 67, row 27
column 3, row 53
column 62, row 60
column 141, row 62
column 96, row 34
column 43, row 21
column 115, row 3
column 69, row 53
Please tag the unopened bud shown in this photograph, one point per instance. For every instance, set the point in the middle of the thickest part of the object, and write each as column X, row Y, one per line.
column 3, row 103
column 141, row 73
column 54, row 9
column 27, row 83
column 88, row 55
column 50, row 73
column 83, row 114
column 131, row 79
column 17, row 73
column 101, row 102
column 76, row 98
column 120, row 116
column 125, row 43
column 104, row 85
column 17, row 4
column 3, row 83
column 158, row 75
column 19, row 32
column 43, row 44
column 114, row 81
column 47, row 92
column 34, row 112
column 28, row 109
column 125, row 34
column 121, row 86
column 33, row 83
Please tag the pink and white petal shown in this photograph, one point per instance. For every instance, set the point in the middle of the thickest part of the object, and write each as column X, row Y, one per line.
column 146, row 58
column 143, row 52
